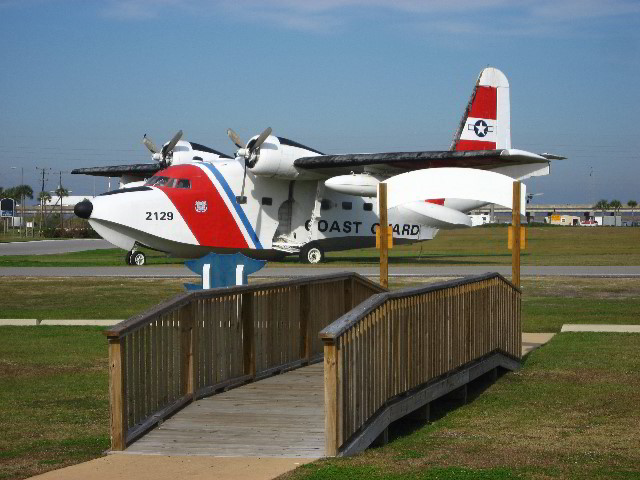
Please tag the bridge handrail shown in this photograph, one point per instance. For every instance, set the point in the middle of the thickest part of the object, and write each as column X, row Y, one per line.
column 352, row 317
column 184, row 298
column 396, row 342
column 198, row 343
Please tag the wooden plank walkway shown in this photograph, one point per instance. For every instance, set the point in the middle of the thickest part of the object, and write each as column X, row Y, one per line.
column 280, row 416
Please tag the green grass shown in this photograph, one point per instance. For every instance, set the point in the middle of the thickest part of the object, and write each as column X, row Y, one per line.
column 571, row 412
column 473, row 246
column 550, row 302
column 53, row 398
column 573, row 405
column 99, row 258
column 83, row 298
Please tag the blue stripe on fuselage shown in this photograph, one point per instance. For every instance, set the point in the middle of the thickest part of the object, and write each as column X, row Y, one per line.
column 238, row 208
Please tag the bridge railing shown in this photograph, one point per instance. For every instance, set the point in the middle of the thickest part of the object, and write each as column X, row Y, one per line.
column 199, row 343
column 398, row 341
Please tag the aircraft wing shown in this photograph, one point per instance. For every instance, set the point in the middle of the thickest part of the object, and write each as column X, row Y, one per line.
column 407, row 161
column 141, row 170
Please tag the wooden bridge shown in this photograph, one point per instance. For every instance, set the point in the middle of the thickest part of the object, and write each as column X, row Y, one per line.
column 244, row 368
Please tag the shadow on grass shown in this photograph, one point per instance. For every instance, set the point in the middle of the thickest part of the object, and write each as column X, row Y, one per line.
column 442, row 406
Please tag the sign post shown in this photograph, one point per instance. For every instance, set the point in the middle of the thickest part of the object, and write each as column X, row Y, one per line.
column 7, row 209
column 515, row 225
column 384, row 239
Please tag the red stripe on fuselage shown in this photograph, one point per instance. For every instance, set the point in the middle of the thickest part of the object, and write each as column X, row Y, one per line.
column 215, row 227
column 485, row 103
column 436, row 201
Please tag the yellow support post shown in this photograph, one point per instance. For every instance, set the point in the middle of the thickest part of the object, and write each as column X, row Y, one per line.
column 384, row 240
column 515, row 223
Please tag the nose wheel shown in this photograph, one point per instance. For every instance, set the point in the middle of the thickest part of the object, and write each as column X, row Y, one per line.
column 135, row 258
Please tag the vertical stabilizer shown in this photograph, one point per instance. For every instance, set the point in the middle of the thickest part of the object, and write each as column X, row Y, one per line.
column 486, row 123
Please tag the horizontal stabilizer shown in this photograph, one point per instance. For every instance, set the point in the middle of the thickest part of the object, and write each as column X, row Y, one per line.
column 463, row 183
column 439, row 216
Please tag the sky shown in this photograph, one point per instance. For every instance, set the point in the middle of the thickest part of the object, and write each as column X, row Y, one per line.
column 81, row 82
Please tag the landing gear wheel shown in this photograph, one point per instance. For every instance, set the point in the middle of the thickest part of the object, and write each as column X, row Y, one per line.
column 312, row 254
column 127, row 258
column 138, row 258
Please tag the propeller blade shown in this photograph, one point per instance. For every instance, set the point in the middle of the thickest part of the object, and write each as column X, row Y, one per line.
column 260, row 140
column 149, row 144
column 235, row 138
column 172, row 143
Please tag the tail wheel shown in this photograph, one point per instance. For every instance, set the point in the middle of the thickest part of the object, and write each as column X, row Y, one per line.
column 138, row 258
column 312, row 254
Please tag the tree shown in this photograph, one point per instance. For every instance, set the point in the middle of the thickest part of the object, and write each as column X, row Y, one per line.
column 632, row 204
column 602, row 205
column 11, row 193
column 616, row 205
column 61, row 192
column 43, row 198
column 22, row 191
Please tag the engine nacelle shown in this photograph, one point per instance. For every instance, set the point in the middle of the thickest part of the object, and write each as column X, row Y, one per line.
column 276, row 159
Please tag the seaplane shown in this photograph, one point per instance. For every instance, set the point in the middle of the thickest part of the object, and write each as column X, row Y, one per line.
column 277, row 197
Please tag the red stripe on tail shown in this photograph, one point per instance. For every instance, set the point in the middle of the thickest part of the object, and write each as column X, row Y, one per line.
column 475, row 145
column 485, row 103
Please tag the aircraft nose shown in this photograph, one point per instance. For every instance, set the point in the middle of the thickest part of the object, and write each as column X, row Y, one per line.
column 83, row 209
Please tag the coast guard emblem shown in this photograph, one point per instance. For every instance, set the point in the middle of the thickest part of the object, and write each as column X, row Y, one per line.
column 201, row 206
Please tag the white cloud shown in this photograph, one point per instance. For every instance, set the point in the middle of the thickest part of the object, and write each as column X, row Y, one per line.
column 524, row 17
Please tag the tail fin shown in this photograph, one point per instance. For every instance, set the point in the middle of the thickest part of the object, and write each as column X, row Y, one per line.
column 486, row 123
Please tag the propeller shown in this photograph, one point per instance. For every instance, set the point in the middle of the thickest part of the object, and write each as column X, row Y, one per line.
column 249, row 152
column 161, row 155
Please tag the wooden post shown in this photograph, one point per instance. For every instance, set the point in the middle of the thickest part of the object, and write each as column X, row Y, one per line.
column 515, row 222
column 332, row 410
column 348, row 294
column 248, row 337
column 305, row 324
column 384, row 241
column 187, row 335
column 117, row 402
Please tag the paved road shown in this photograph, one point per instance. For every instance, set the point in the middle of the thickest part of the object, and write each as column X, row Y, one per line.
column 47, row 247
column 177, row 271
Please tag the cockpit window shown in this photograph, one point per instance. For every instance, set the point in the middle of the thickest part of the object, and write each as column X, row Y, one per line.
column 156, row 180
column 169, row 182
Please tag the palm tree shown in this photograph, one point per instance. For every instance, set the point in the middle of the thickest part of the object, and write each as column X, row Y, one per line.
column 632, row 204
column 616, row 205
column 22, row 191
column 43, row 198
column 602, row 205
column 61, row 192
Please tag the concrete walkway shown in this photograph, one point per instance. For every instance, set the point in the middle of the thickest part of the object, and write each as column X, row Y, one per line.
column 576, row 327
column 27, row 322
column 531, row 341
column 159, row 467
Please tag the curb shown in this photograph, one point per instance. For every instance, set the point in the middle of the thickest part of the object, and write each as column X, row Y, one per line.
column 32, row 322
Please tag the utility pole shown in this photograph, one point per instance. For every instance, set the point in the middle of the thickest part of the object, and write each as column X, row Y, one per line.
column 60, row 197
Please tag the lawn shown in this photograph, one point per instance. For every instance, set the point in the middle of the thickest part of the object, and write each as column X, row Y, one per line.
column 83, row 298
column 573, row 405
column 570, row 412
column 487, row 245
column 53, row 398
